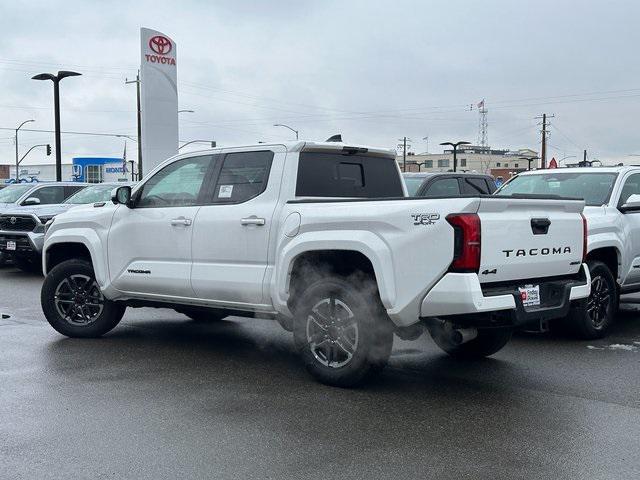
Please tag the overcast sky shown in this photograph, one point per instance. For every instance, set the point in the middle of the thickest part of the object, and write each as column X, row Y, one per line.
column 374, row 71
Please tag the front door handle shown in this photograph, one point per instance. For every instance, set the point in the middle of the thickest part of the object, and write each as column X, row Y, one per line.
column 253, row 220
column 181, row 221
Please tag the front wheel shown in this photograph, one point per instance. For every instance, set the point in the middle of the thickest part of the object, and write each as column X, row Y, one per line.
column 73, row 303
column 592, row 318
column 486, row 343
column 341, row 331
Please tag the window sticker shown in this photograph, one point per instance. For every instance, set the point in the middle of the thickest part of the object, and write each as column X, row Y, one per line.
column 225, row 191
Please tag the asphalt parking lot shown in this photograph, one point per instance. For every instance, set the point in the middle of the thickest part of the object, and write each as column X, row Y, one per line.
column 166, row 397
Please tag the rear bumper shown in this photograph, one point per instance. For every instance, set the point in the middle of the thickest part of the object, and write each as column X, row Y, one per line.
column 460, row 294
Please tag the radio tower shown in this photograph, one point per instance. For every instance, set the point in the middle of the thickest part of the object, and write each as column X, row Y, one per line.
column 483, row 125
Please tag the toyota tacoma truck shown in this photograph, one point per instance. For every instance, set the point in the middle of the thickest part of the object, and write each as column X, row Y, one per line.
column 612, row 211
column 321, row 237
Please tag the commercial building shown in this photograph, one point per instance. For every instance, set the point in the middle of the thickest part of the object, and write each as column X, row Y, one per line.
column 472, row 158
column 83, row 169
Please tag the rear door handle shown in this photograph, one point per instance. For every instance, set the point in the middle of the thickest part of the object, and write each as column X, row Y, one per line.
column 181, row 221
column 253, row 220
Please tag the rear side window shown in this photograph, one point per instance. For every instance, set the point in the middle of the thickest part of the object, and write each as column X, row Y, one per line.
column 359, row 176
column 243, row 176
column 475, row 186
column 71, row 189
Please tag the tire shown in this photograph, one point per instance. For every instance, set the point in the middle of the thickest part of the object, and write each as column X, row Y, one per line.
column 201, row 315
column 592, row 317
column 73, row 303
column 3, row 259
column 341, row 330
column 488, row 342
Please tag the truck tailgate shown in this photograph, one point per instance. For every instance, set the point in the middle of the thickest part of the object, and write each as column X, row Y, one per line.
column 529, row 238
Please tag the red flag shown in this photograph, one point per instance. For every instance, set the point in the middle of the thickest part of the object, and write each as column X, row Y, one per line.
column 553, row 163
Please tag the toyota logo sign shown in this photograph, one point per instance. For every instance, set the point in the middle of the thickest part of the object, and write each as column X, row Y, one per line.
column 159, row 44
column 13, row 220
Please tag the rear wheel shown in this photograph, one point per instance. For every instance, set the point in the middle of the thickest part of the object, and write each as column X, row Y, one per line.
column 341, row 330
column 487, row 342
column 593, row 317
column 73, row 303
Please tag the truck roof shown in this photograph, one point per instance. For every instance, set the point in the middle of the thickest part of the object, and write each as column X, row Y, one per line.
column 616, row 169
column 305, row 145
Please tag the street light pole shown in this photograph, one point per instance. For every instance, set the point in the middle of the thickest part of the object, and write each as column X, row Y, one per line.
column 287, row 126
column 455, row 151
column 56, row 107
column 529, row 160
column 17, row 158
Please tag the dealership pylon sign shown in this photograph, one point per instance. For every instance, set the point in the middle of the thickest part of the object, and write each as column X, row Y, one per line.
column 158, row 97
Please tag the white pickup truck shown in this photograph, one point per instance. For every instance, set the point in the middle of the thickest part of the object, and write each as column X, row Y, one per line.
column 320, row 237
column 612, row 197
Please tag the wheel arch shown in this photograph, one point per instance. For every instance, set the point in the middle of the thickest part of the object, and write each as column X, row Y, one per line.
column 84, row 245
column 610, row 256
column 302, row 259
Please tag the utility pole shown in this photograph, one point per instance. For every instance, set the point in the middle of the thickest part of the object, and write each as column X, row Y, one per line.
column 137, row 82
column 404, row 154
column 404, row 141
column 543, row 150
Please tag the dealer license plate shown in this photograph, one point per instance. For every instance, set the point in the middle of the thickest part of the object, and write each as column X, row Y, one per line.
column 530, row 295
column 11, row 245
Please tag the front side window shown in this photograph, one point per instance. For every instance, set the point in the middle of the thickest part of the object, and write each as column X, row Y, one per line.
column 49, row 195
column 445, row 187
column 631, row 187
column 177, row 185
column 243, row 176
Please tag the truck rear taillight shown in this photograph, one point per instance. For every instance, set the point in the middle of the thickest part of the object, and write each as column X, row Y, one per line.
column 584, row 238
column 466, row 250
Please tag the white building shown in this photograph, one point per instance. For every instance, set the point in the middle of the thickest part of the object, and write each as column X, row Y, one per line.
column 471, row 158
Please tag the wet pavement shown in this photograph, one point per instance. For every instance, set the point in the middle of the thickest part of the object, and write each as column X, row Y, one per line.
column 166, row 397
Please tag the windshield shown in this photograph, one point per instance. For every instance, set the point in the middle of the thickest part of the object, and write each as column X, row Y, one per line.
column 594, row 188
column 413, row 184
column 12, row 193
column 98, row 193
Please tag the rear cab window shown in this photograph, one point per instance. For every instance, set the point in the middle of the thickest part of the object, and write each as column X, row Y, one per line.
column 334, row 174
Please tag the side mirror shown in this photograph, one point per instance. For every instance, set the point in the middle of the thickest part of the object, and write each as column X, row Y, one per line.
column 31, row 201
column 631, row 205
column 121, row 195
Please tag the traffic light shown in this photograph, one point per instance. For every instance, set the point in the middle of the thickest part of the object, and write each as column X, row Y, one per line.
column 48, row 150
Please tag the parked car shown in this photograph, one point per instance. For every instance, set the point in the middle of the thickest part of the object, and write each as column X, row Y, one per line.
column 22, row 228
column 23, row 194
column 448, row 184
column 315, row 236
column 612, row 212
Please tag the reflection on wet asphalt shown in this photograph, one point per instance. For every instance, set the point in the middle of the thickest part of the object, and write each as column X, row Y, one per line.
column 166, row 397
